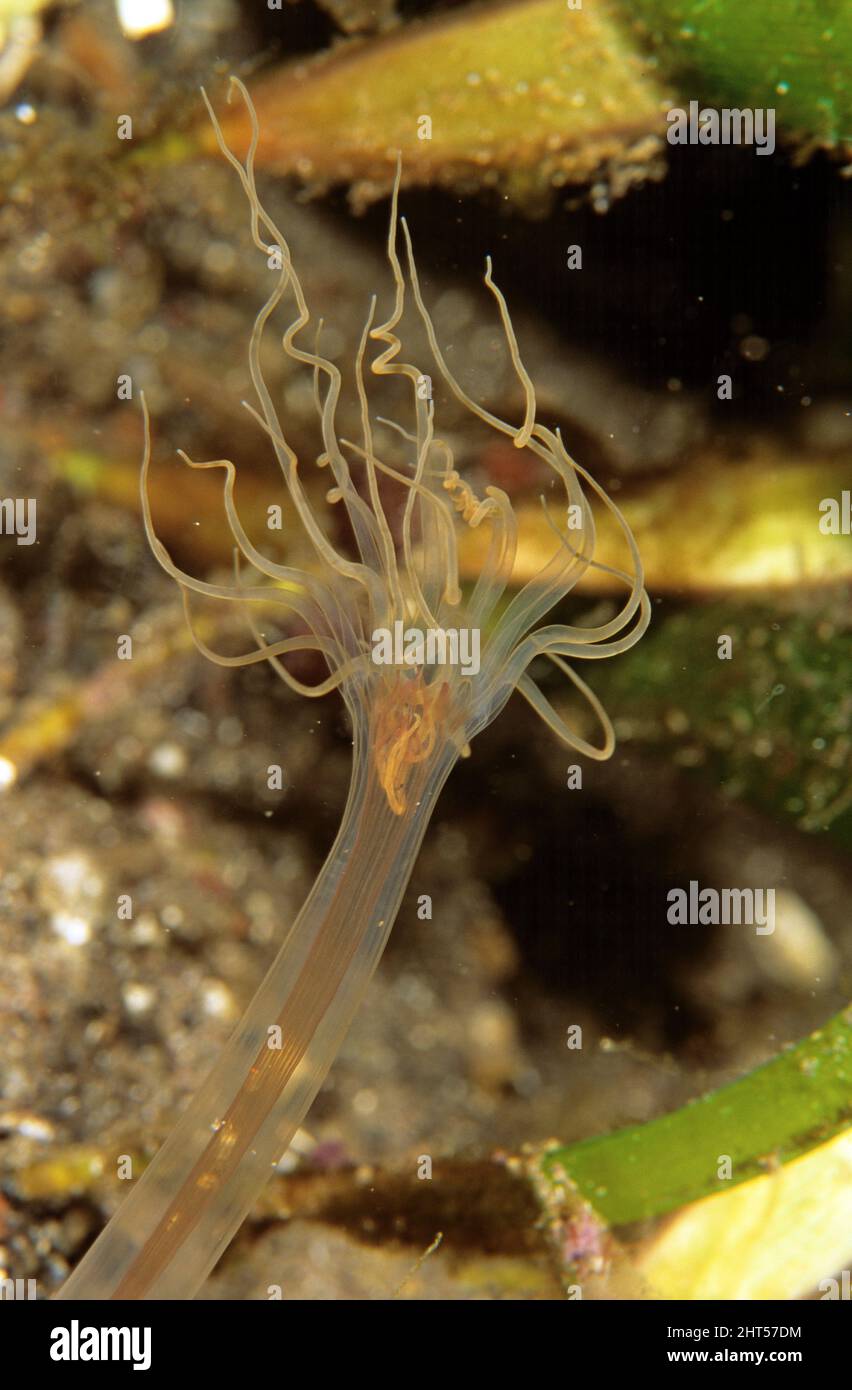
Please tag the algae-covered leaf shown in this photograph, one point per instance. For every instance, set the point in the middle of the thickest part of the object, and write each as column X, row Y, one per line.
column 778, row 1236
column 752, row 1180
column 770, row 726
column 532, row 95
column 523, row 97
column 711, row 528
column 793, row 56
column 778, row 1113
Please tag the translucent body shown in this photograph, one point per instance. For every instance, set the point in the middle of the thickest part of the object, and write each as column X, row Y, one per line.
column 410, row 723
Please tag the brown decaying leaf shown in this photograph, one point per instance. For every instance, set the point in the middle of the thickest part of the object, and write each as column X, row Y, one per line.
column 523, row 97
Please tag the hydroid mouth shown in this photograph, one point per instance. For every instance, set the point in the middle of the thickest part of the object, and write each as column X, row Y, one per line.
column 410, row 717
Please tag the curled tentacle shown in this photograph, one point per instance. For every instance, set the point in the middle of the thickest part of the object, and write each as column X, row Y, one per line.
column 343, row 601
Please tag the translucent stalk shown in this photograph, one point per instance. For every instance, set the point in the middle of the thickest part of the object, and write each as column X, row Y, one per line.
column 183, row 1211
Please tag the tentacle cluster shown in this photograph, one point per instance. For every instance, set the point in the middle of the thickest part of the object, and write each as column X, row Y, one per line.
column 339, row 603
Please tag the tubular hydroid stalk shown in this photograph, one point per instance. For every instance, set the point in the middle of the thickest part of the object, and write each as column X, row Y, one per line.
column 411, row 717
column 190, row 1201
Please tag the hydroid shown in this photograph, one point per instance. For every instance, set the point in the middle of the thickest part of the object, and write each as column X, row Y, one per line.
column 410, row 719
